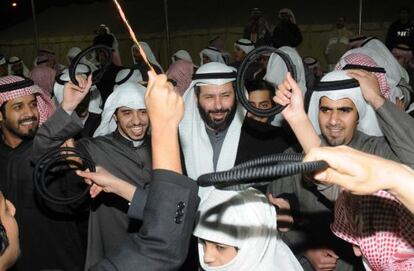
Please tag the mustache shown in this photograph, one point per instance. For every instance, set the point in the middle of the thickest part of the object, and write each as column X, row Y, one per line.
column 219, row 111
column 27, row 119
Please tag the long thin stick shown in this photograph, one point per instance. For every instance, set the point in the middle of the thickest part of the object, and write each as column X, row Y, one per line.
column 133, row 36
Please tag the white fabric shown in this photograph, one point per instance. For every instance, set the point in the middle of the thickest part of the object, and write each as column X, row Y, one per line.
column 129, row 94
column 148, row 52
column 182, row 54
column 245, row 48
column 16, row 60
column 392, row 68
column 74, row 51
column 95, row 102
column 276, row 71
column 2, row 60
column 213, row 54
column 367, row 121
column 245, row 220
column 135, row 77
column 197, row 149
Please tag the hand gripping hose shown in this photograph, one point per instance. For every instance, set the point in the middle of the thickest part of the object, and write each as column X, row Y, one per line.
column 98, row 75
column 55, row 158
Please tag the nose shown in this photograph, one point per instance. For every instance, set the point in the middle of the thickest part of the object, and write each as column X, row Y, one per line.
column 29, row 111
column 208, row 256
column 334, row 117
column 218, row 103
column 136, row 120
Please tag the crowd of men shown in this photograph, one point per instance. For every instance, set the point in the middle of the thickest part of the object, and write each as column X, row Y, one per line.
column 152, row 135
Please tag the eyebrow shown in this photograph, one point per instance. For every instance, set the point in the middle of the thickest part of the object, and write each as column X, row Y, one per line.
column 337, row 108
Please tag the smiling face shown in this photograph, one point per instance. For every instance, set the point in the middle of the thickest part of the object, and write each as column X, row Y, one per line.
column 19, row 118
column 338, row 120
column 132, row 123
column 217, row 105
column 216, row 254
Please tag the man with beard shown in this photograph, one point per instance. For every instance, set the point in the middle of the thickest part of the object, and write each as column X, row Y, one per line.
column 120, row 145
column 48, row 235
column 214, row 133
column 343, row 111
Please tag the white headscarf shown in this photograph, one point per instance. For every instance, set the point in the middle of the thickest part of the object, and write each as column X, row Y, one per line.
column 182, row 54
column 197, row 149
column 244, row 44
column 95, row 102
column 392, row 66
column 148, row 52
column 245, row 220
column 73, row 52
column 129, row 94
column 2, row 60
column 367, row 122
column 213, row 53
column 276, row 71
column 125, row 75
column 15, row 60
column 393, row 70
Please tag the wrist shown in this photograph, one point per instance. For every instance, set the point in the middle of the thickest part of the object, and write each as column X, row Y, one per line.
column 377, row 101
column 68, row 108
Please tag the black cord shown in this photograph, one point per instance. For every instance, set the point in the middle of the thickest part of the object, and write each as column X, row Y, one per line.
column 251, row 172
column 50, row 160
column 77, row 59
column 240, row 82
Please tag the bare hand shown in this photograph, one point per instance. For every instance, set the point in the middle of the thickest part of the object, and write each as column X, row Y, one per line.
column 70, row 143
column 400, row 104
column 164, row 104
column 358, row 172
column 73, row 94
column 290, row 94
column 369, row 87
column 101, row 180
column 322, row 259
column 283, row 215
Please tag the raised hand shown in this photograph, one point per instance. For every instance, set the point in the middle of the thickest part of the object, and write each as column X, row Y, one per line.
column 290, row 94
column 74, row 94
column 369, row 87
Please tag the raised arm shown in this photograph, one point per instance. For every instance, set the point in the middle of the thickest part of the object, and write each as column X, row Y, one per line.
column 290, row 95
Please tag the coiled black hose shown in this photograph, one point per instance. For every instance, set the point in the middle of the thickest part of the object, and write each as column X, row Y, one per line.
column 251, row 172
column 240, row 82
column 50, row 160
column 77, row 59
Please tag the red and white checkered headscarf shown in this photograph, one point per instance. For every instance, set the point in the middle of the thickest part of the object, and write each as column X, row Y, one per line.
column 44, row 103
column 380, row 226
column 364, row 60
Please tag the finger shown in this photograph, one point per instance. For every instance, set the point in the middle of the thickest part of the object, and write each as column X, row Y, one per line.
column 332, row 253
column 88, row 181
column 294, row 86
column 85, row 174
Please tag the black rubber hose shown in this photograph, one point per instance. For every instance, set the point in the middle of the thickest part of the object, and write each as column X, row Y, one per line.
column 48, row 161
column 251, row 172
column 77, row 59
column 240, row 82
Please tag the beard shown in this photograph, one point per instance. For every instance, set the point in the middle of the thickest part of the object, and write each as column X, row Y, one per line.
column 14, row 128
column 221, row 125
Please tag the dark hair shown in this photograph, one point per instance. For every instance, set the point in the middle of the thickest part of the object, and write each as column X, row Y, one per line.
column 3, row 110
column 254, row 85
